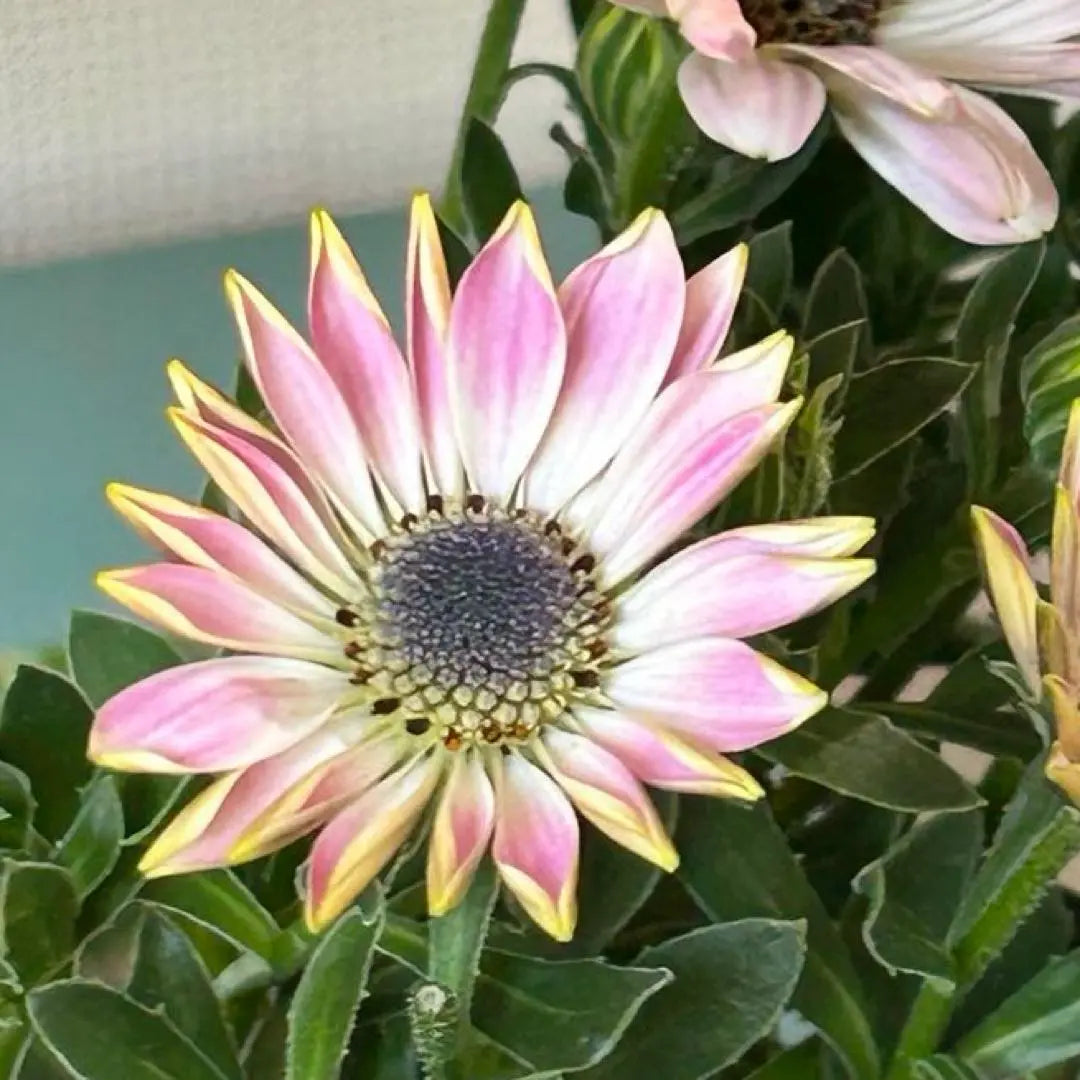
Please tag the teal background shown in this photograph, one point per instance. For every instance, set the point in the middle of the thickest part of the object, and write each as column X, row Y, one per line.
column 83, row 346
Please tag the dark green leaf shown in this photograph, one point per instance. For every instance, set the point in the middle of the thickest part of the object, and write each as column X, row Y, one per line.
column 994, row 733
column 324, row 1007
column 888, row 404
column 1049, row 382
column 107, row 654
column 37, row 1063
column 38, row 907
column 520, row 1002
column 43, row 731
column 90, row 848
column 770, row 267
column 100, row 1034
column 217, row 900
column 264, row 1050
column 837, row 299
column 914, row 890
column 169, row 977
column 489, row 183
column 17, row 807
column 832, row 355
column 1037, row 1027
column 862, row 755
column 1037, row 836
column 737, row 864
column 802, row 1062
column 730, row 984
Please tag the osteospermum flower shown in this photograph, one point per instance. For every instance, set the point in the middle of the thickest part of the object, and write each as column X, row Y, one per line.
column 892, row 71
column 1044, row 636
column 435, row 596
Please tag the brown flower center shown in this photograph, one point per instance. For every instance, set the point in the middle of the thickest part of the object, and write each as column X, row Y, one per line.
column 813, row 22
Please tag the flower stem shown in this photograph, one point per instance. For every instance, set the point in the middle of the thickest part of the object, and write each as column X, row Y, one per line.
column 484, row 96
column 926, row 1023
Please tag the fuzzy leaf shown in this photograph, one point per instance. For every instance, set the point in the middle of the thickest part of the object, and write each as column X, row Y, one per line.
column 91, row 846
column 38, row 908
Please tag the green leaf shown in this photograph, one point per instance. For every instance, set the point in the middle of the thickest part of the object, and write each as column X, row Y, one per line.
column 1037, row 836
column 770, row 267
column 802, row 1062
column 731, row 983
column 169, row 977
column 217, row 900
column 558, row 1015
column 943, row 1067
column 914, row 890
column 324, row 1006
column 740, row 188
column 107, row 654
column 862, row 755
column 90, row 848
column 38, row 907
column 456, row 938
column 17, row 807
column 1049, row 383
column 265, row 1047
column 993, row 733
column 489, row 183
column 1037, row 1027
column 101, row 1034
column 737, row 864
column 37, row 1063
column 43, row 731
column 917, row 389
column 831, row 357
column 837, row 301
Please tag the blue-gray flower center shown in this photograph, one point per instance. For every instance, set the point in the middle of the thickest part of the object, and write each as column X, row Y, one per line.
column 478, row 604
column 813, row 22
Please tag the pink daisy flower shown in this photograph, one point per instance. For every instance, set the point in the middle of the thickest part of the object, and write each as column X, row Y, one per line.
column 441, row 592
column 763, row 72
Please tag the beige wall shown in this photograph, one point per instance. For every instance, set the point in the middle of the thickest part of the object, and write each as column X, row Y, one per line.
column 123, row 121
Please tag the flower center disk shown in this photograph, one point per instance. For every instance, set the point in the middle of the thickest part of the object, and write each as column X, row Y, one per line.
column 813, row 22
column 480, row 627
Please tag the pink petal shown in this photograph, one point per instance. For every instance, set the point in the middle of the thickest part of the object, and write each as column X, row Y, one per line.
column 536, row 845
column 715, row 691
column 217, row 608
column 719, row 588
column 306, row 404
column 427, row 318
column 715, row 27
column 200, row 401
column 507, row 347
column 460, row 833
column 686, row 454
column 359, row 842
column 203, row 538
column 879, row 71
column 975, row 174
column 623, row 308
column 214, row 715
column 270, row 498
column 662, row 760
column 606, row 792
column 760, row 107
column 1007, row 570
column 974, row 23
column 822, row 537
column 208, row 830
column 711, row 297
column 354, row 344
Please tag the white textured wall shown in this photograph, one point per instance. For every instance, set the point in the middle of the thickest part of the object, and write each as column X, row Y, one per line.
column 126, row 121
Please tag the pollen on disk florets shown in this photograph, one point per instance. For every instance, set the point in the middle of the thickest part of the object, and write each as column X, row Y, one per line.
column 482, row 624
column 813, row 22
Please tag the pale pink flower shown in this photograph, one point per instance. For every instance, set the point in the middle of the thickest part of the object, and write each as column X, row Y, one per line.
column 442, row 593
column 763, row 72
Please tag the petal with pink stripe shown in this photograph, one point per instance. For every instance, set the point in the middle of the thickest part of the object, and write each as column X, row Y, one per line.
column 306, row 404
column 661, row 759
column 536, row 845
column 507, row 349
column 608, row 794
column 219, row 609
column 716, row 28
column 684, row 457
column 711, row 297
column 718, row 692
column 353, row 341
column 720, row 588
column 623, row 309
column 270, row 499
column 427, row 318
column 460, row 833
column 359, row 841
column 214, row 715
column 202, row 538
